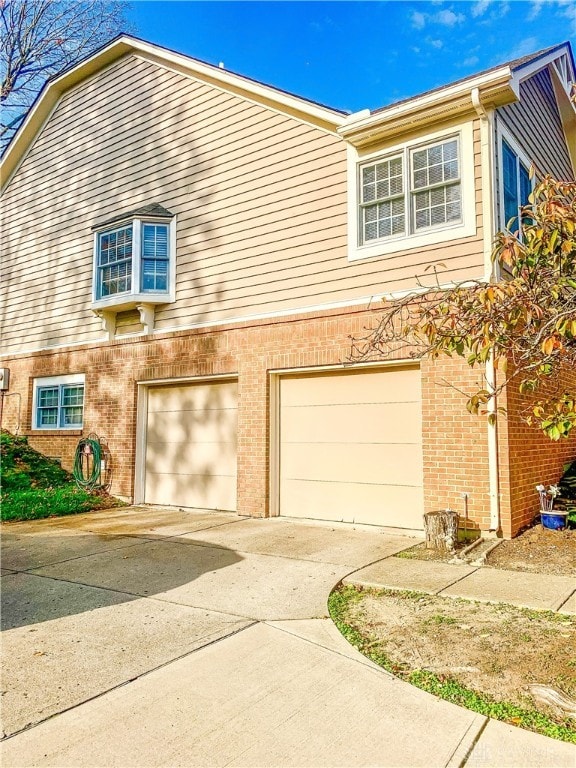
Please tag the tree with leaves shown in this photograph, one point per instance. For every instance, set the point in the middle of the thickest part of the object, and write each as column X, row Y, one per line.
column 523, row 323
column 41, row 38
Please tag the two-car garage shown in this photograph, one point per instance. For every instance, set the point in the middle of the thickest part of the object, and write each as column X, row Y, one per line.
column 347, row 445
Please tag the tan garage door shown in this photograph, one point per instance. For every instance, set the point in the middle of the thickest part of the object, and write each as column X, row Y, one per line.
column 191, row 445
column 351, row 447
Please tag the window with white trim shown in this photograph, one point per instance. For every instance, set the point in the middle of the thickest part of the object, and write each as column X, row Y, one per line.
column 58, row 402
column 134, row 261
column 415, row 190
column 516, row 185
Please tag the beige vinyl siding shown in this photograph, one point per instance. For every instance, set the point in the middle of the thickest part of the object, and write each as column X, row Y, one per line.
column 260, row 199
column 535, row 123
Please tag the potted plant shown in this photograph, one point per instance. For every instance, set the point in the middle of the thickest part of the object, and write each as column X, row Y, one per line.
column 555, row 519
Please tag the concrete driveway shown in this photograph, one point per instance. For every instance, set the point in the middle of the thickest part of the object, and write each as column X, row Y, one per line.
column 150, row 637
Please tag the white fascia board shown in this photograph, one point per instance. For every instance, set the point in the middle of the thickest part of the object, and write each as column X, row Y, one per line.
column 357, row 122
column 529, row 69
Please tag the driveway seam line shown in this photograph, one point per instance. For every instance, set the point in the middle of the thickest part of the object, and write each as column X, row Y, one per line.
column 128, row 682
column 366, row 662
column 71, row 559
column 139, row 596
column 475, row 741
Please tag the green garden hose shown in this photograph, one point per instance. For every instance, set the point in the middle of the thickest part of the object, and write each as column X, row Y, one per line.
column 91, row 469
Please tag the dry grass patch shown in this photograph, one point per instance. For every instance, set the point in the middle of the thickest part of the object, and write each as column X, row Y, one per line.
column 478, row 655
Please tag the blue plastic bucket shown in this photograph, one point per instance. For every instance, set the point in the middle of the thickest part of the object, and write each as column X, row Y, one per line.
column 556, row 521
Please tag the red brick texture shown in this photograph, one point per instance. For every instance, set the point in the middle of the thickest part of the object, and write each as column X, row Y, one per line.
column 527, row 459
column 455, row 444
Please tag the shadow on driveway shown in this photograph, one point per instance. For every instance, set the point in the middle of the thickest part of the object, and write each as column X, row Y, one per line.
column 62, row 573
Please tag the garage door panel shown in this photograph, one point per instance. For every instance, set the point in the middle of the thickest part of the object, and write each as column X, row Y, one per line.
column 203, row 491
column 191, row 445
column 384, row 463
column 351, row 447
column 208, row 457
column 358, row 423
column 186, row 397
column 188, row 427
column 346, row 388
column 395, row 506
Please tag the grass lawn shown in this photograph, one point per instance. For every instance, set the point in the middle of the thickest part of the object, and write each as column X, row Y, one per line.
column 34, row 486
column 480, row 656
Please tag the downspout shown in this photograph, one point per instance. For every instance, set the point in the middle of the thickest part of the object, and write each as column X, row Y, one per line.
column 491, row 274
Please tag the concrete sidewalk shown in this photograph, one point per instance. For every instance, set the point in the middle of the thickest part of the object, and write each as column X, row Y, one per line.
column 148, row 637
column 543, row 592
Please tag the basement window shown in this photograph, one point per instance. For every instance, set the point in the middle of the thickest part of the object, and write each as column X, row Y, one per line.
column 58, row 402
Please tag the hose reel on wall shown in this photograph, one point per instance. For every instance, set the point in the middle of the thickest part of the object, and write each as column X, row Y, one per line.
column 93, row 464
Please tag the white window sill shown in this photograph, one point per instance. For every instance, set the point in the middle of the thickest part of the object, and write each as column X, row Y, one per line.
column 124, row 301
column 407, row 242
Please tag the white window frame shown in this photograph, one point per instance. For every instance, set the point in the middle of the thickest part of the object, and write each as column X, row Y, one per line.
column 135, row 296
column 56, row 381
column 438, row 233
column 504, row 135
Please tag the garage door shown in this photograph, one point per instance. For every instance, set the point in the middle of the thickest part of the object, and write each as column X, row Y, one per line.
column 351, row 447
column 191, row 445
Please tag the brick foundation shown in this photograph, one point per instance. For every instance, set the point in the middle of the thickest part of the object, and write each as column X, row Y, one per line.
column 455, row 444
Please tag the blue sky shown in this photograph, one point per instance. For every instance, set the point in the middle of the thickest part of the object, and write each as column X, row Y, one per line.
column 355, row 55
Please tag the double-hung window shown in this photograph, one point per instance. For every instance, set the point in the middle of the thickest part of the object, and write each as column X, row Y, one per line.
column 412, row 191
column 59, row 402
column 516, row 186
column 134, row 261
column 115, row 261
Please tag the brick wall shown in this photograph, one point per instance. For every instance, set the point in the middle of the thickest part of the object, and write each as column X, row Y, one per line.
column 528, row 458
column 454, row 445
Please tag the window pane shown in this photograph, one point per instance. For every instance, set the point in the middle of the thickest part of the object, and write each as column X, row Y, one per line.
column 116, row 278
column 509, row 164
column 47, row 396
column 154, row 275
column 71, row 417
column 525, row 185
column 48, row 417
column 155, row 257
column 435, row 165
column 382, row 180
column 437, row 206
column 155, row 241
column 59, row 406
column 115, row 246
column 450, row 150
column 72, row 395
column 384, row 219
column 368, row 174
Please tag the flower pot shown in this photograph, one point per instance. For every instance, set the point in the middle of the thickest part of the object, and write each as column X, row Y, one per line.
column 554, row 520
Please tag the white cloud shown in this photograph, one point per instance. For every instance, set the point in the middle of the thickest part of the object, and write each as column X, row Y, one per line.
column 523, row 48
column 471, row 61
column 445, row 18
column 418, row 19
column 535, row 8
column 480, row 8
column 435, row 43
column 448, row 18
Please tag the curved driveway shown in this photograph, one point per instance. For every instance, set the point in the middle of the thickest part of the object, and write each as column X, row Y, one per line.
column 149, row 637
